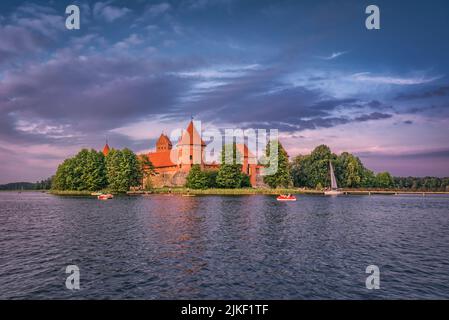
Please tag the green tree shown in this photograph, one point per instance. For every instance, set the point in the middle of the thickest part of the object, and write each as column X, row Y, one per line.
column 123, row 170
column 384, row 180
column 350, row 170
column 297, row 167
column 316, row 167
column 211, row 178
column 229, row 175
column 85, row 171
column 197, row 179
column 282, row 177
column 246, row 181
column 146, row 170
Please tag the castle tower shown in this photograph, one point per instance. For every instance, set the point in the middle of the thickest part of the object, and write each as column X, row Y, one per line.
column 163, row 143
column 190, row 148
column 106, row 149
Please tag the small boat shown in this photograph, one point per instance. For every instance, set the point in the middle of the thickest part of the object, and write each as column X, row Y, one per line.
column 284, row 197
column 105, row 196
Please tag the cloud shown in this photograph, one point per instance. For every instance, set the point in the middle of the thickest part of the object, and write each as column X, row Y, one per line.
column 158, row 9
column 108, row 12
column 28, row 30
column 366, row 76
column 438, row 92
column 373, row 116
column 334, row 55
column 69, row 97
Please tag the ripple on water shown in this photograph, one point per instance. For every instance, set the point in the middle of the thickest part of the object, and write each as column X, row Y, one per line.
column 248, row 247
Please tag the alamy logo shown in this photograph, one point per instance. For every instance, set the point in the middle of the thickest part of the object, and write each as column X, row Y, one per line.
column 73, row 20
column 373, row 280
column 373, row 20
column 73, row 280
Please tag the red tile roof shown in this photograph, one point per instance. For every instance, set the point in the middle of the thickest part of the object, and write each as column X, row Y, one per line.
column 161, row 159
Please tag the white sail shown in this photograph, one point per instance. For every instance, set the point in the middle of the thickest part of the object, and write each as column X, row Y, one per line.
column 334, row 185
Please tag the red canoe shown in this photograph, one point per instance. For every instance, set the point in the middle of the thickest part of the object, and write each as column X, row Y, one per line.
column 105, row 196
column 286, row 198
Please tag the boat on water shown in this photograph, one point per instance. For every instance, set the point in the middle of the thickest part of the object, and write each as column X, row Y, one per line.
column 334, row 187
column 284, row 197
column 96, row 194
column 105, row 196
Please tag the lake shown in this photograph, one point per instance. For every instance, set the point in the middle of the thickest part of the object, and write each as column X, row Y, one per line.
column 223, row 247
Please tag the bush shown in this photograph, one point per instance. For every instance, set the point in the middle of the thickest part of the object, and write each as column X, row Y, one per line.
column 196, row 178
column 246, row 182
column 211, row 178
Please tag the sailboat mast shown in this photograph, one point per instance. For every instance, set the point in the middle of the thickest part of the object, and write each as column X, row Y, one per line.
column 333, row 179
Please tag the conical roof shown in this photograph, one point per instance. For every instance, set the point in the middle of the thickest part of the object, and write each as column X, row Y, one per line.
column 191, row 136
column 106, row 149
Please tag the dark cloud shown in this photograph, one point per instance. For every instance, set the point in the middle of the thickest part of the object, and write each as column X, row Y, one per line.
column 90, row 95
column 373, row 116
column 260, row 99
column 438, row 92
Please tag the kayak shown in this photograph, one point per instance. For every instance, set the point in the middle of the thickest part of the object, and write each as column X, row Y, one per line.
column 105, row 196
column 286, row 198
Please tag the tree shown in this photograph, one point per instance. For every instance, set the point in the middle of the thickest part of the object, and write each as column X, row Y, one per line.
column 350, row 170
column 316, row 167
column 246, row 181
column 230, row 173
column 384, row 180
column 282, row 177
column 145, row 165
column 297, row 171
column 197, row 179
column 85, row 171
column 123, row 170
column 211, row 178
column 146, row 170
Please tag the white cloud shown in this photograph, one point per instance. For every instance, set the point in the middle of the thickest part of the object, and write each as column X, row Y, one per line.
column 158, row 9
column 335, row 55
column 366, row 76
column 108, row 12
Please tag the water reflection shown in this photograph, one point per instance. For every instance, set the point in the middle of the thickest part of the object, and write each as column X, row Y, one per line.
column 252, row 247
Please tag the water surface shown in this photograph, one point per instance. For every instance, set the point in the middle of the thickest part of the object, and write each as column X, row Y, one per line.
column 212, row 247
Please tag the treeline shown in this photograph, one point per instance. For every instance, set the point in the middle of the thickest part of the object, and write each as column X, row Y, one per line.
column 312, row 171
column 422, row 184
column 90, row 170
column 38, row 185
column 228, row 176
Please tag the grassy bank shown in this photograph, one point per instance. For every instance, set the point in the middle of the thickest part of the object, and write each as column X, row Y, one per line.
column 242, row 191
column 69, row 193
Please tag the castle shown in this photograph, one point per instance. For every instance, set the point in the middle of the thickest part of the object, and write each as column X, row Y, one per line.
column 171, row 166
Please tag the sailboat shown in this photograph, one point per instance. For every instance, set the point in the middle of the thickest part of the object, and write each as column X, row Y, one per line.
column 334, row 187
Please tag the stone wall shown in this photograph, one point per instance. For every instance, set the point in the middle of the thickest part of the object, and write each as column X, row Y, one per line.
column 169, row 179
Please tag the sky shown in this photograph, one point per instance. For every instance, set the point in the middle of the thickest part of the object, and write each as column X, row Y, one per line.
column 308, row 68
